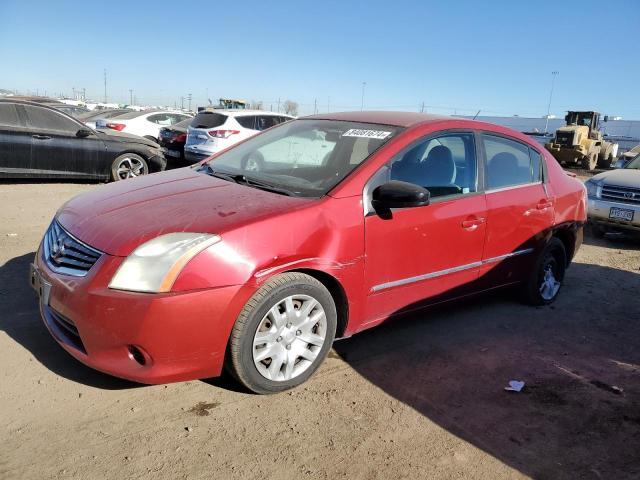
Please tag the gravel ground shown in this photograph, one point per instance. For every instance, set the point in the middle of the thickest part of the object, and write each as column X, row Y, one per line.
column 420, row 397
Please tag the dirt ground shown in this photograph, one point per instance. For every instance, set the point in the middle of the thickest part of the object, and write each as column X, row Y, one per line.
column 420, row 397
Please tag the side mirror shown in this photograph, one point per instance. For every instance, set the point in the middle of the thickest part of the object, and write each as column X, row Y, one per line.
column 397, row 194
column 606, row 118
column 83, row 132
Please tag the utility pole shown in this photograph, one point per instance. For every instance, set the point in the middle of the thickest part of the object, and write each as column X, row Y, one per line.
column 105, row 85
column 422, row 108
column 189, row 97
column 84, row 94
column 328, row 104
column 278, row 105
column 73, row 90
column 130, row 96
column 181, row 103
column 554, row 74
column 364, row 84
column 315, row 106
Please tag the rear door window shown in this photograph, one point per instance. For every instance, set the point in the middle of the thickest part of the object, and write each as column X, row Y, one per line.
column 45, row 119
column 247, row 121
column 509, row 162
column 9, row 115
column 266, row 121
column 208, row 120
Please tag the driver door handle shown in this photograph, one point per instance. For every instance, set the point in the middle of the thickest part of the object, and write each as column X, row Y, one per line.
column 471, row 223
column 41, row 137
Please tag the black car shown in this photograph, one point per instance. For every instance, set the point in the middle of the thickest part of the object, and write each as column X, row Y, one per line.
column 38, row 141
column 173, row 138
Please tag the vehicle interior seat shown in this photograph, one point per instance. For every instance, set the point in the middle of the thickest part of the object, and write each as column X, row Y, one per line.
column 504, row 170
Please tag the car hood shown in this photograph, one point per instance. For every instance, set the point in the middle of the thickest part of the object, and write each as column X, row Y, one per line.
column 118, row 217
column 622, row 177
column 126, row 138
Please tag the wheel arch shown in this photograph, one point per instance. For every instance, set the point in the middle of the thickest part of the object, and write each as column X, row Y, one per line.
column 568, row 238
column 337, row 292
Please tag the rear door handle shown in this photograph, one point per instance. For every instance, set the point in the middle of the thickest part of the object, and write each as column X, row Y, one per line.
column 542, row 204
column 40, row 137
column 472, row 223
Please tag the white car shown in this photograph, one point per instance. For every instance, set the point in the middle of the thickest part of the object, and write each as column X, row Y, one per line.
column 214, row 130
column 144, row 124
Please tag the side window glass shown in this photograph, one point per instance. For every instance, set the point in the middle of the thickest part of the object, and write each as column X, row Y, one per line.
column 508, row 162
column 247, row 121
column 265, row 121
column 536, row 165
column 444, row 165
column 45, row 119
column 9, row 115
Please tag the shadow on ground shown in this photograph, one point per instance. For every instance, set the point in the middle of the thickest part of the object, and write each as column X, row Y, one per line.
column 452, row 363
column 21, row 321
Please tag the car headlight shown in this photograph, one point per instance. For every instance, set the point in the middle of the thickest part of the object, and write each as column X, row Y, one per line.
column 594, row 189
column 155, row 265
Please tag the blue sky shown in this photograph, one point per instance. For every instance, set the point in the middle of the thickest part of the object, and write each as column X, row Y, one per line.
column 496, row 56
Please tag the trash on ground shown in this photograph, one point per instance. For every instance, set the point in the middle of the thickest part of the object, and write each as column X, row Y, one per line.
column 514, row 386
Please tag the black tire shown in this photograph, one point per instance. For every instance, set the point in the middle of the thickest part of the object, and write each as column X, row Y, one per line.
column 598, row 231
column 552, row 256
column 240, row 360
column 136, row 163
column 589, row 162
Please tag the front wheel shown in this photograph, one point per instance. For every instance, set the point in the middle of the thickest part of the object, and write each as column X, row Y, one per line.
column 589, row 162
column 128, row 165
column 283, row 333
column 544, row 282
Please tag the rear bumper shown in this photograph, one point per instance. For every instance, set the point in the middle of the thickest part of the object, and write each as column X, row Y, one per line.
column 598, row 212
column 146, row 338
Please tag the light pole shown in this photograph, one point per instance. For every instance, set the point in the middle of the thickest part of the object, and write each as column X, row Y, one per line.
column 364, row 84
column 130, row 96
column 553, row 79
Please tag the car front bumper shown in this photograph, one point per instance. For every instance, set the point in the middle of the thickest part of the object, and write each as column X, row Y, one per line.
column 146, row 338
column 599, row 212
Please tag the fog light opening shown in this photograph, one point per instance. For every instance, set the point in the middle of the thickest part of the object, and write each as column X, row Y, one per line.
column 136, row 354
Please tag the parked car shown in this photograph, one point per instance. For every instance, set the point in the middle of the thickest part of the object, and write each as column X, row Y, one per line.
column 626, row 157
column 614, row 199
column 38, row 141
column 260, row 269
column 145, row 124
column 89, row 118
column 212, row 131
column 172, row 140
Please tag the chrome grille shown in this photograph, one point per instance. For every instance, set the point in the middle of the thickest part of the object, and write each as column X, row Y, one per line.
column 66, row 254
column 621, row 194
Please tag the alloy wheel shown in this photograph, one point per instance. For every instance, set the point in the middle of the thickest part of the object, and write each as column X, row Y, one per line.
column 550, row 285
column 129, row 168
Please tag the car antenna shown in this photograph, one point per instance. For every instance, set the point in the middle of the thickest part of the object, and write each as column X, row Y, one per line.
column 476, row 115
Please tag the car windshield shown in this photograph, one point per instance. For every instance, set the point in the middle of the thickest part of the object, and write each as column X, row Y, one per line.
column 304, row 157
column 634, row 164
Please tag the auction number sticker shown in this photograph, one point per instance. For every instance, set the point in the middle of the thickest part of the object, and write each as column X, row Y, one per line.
column 356, row 132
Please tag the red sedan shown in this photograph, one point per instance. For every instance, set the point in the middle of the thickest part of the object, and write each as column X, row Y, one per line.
column 256, row 259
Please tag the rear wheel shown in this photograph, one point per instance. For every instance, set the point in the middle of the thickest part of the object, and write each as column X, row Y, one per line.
column 283, row 333
column 128, row 165
column 544, row 282
column 590, row 161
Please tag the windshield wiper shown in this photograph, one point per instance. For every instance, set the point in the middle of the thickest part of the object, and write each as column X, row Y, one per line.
column 243, row 180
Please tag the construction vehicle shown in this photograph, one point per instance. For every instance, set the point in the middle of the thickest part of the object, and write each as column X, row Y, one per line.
column 230, row 103
column 581, row 142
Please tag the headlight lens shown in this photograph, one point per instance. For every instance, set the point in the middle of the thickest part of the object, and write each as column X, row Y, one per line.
column 155, row 265
column 593, row 188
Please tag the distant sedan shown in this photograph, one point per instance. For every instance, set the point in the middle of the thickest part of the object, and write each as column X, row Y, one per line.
column 173, row 139
column 146, row 124
column 89, row 118
column 38, row 141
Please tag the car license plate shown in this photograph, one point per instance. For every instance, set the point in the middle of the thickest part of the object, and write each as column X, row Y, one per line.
column 39, row 284
column 621, row 214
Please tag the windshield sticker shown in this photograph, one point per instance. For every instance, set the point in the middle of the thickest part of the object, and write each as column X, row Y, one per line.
column 356, row 132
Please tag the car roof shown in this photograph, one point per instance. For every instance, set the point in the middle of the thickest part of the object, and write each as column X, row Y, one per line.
column 239, row 112
column 396, row 119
